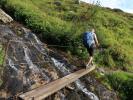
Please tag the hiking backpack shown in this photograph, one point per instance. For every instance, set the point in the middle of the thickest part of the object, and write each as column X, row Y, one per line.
column 88, row 39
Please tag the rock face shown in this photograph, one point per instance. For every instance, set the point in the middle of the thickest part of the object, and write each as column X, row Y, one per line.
column 5, row 18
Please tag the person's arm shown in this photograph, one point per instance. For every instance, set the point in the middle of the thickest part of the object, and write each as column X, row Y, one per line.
column 96, row 40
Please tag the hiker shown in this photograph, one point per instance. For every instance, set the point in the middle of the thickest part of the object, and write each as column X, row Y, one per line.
column 90, row 42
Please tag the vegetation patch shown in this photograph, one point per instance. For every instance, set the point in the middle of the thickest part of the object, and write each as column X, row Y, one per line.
column 123, row 83
column 1, row 55
column 1, row 61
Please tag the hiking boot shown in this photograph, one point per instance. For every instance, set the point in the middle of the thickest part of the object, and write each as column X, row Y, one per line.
column 88, row 66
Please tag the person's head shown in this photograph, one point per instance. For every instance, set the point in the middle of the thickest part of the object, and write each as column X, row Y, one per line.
column 93, row 30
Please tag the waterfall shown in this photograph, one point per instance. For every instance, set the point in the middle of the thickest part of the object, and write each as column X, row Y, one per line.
column 35, row 41
column 32, row 66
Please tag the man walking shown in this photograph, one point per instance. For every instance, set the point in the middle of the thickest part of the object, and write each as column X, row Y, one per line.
column 90, row 41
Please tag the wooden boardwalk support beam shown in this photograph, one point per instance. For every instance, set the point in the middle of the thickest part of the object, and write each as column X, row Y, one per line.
column 52, row 87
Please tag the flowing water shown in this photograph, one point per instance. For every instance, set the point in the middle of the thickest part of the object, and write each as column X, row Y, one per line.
column 24, row 64
column 62, row 67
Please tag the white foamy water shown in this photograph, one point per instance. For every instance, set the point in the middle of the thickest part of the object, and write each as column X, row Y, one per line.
column 11, row 64
column 32, row 66
column 91, row 95
column 35, row 41
column 28, row 60
column 60, row 66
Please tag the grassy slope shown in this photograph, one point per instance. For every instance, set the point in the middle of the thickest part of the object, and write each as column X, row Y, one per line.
column 123, row 83
column 64, row 24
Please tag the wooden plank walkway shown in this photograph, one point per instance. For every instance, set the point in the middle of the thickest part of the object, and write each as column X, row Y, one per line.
column 46, row 90
column 5, row 17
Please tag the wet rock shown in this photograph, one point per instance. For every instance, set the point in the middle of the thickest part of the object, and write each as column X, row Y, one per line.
column 14, row 86
column 73, row 96
column 103, row 92
column 107, row 95
column 5, row 18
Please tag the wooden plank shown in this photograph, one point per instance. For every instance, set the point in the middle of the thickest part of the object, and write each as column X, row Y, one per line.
column 5, row 17
column 46, row 90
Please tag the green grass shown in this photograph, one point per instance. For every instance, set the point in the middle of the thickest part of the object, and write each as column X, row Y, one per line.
column 1, row 62
column 122, row 82
column 64, row 24
column 1, row 55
